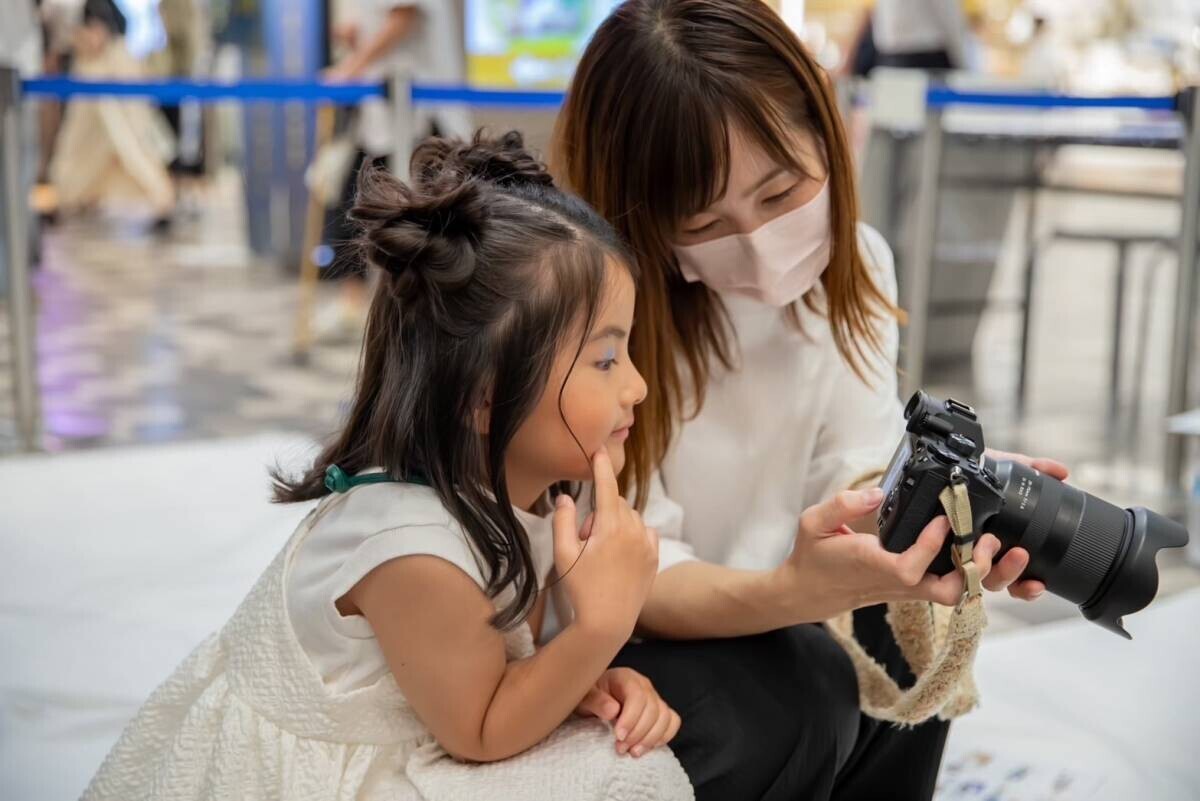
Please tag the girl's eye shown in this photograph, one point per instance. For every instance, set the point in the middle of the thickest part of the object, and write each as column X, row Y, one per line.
column 781, row 196
column 606, row 364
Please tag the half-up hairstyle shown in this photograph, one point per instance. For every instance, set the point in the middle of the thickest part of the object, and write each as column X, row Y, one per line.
column 487, row 271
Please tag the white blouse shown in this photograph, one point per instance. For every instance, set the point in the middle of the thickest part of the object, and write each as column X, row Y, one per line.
column 788, row 427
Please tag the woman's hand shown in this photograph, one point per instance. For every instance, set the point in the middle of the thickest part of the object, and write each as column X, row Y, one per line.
column 607, row 569
column 1013, row 564
column 641, row 719
column 833, row 569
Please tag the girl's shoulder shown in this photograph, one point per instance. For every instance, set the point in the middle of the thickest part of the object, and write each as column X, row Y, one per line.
column 375, row 508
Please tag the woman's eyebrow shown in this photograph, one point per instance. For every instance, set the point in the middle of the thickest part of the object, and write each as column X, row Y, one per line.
column 765, row 179
column 609, row 331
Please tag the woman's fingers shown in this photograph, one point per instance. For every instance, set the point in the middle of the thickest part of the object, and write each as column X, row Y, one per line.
column 1007, row 570
column 914, row 563
column 1027, row 590
column 830, row 516
column 1051, row 467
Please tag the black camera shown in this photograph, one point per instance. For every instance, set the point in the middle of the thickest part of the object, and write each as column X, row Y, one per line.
column 1084, row 549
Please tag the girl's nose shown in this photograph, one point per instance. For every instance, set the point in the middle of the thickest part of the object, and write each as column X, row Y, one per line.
column 635, row 391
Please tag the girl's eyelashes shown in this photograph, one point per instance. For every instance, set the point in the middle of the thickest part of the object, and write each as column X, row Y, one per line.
column 610, row 358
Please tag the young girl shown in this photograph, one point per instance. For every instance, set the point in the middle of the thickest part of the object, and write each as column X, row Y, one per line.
column 389, row 650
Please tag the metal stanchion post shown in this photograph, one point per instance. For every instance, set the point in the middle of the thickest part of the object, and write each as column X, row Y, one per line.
column 1182, row 339
column 313, row 224
column 918, row 262
column 403, row 123
column 14, row 210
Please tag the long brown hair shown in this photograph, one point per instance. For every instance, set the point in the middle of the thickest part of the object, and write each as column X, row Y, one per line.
column 487, row 272
column 644, row 137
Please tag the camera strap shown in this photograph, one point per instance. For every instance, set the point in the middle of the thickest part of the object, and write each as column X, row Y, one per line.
column 938, row 643
column 957, row 503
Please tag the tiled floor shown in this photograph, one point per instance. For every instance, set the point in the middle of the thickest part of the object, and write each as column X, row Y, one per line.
column 144, row 339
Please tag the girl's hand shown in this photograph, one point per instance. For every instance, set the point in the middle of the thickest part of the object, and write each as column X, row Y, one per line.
column 609, row 568
column 643, row 721
column 1013, row 563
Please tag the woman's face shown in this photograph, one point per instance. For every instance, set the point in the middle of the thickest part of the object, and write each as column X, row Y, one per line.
column 602, row 388
column 758, row 190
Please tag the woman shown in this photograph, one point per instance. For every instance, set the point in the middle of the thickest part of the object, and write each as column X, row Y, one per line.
column 767, row 330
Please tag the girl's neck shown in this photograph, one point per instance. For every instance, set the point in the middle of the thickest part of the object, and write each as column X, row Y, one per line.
column 525, row 491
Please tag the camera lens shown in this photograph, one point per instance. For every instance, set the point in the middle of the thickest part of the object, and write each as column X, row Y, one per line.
column 1083, row 548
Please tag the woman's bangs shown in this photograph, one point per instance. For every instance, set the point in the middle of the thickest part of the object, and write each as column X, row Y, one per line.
column 772, row 123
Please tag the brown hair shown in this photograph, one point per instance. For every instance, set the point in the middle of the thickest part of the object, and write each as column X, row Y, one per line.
column 644, row 137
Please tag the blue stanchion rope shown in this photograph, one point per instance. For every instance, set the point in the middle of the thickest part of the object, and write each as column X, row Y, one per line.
column 940, row 97
column 308, row 91
column 173, row 91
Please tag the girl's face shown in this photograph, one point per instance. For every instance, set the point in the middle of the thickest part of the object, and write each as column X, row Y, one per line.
column 758, row 190
column 602, row 388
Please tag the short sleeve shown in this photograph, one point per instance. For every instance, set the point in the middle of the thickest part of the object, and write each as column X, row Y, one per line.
column 416, row 540
column 865, row 419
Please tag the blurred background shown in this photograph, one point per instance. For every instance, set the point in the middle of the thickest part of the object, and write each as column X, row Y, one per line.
column 175, row 272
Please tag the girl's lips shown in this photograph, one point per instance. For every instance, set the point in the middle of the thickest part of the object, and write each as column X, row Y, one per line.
column 621, row 433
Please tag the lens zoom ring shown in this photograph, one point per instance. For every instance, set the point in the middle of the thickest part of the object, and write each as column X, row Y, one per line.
column 1095, row 545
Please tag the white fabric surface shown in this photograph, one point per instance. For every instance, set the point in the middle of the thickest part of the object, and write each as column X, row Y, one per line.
column 1121, row 719
column 115, row 564
column 788, row 428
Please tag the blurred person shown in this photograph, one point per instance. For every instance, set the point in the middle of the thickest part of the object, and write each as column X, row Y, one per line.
column 110, row 148
column 418, row 39
column 188, row 43
column 922, row 34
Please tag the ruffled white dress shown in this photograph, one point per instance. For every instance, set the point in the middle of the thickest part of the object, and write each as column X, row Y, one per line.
column 247, row 716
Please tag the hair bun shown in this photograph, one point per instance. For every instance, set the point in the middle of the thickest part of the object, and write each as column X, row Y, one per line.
column 502, row 160
column 426, row 238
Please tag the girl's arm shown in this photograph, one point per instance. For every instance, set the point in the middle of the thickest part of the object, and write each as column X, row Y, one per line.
column 431, row 620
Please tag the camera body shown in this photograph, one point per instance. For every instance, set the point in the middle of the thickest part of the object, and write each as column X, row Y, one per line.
column 942, row 439
column 1085, row 549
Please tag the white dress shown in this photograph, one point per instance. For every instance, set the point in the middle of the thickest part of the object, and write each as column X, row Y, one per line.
column 247, row 716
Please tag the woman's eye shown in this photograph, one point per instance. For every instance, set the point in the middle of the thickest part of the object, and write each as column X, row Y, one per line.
column 694, row 231
column 782, row 195
column 606, row 364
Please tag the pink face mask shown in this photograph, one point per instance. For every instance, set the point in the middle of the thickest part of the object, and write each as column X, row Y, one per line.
column 775, row 263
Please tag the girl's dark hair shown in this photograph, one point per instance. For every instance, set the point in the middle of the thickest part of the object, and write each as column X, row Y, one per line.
column 487, row 270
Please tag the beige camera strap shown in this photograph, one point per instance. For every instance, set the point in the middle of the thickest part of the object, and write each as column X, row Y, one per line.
column 939, row 643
